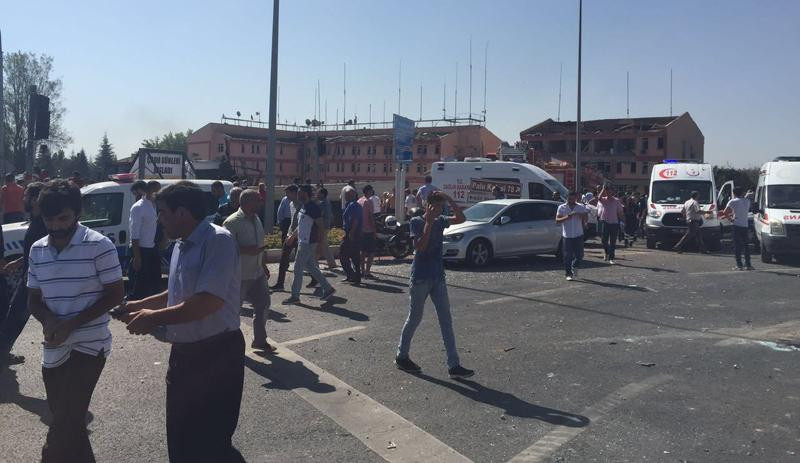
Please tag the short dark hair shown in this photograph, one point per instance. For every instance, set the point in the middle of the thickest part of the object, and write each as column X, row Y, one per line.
column 428, row 179
column 33, row 189
column 738, row 191
column 187, row 195
column 572, row 193
column 307, row 189
column 216, row 184
column 292, row 188
column 153, row 186
column 57, row 195
column 323, row 192
column 368, row 188
column 695, row 194
column 351, row 182
column 10, row 177
column 139, row 185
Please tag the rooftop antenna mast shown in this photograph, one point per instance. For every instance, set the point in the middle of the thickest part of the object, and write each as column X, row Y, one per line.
column 670, row 92
column 485, row 71
column 384, row 113
column 455, row 104
column 628, row 93
column 470, row 76
column 344, row 109
column 399, row 84
column 420, row 101
column 370, row 115
column 444, row 100
column 560, row 74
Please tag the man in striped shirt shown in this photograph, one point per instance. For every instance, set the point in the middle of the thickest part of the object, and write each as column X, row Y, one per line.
column 74, row 279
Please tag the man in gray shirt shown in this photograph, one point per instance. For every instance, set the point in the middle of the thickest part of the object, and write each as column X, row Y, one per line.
column 201, row 312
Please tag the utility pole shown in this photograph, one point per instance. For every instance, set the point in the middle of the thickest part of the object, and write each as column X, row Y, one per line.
column 2, row 111
column 628, row 94
column 560, row 72
column 578, row 122
column 269, row 204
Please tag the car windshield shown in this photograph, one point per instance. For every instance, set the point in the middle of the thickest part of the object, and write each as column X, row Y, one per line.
column 482, row 212
column 679, row 191
column 555, row 185
column 783, row 196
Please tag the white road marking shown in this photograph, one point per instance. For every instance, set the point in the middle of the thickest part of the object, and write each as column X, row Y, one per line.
column 546, row 446
column 745, row 272
column 541, row 292
column 364, row 418
column 322, row 335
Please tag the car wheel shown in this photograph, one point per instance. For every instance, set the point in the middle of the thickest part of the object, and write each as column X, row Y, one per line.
column 766, row 257
column 479, row 253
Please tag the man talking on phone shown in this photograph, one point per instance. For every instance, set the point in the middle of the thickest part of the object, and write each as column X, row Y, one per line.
column 246, row 228
column 572, row 217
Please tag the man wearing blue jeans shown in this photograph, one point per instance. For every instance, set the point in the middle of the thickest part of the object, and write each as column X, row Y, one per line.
column 572, row 217
column 427, row 279
column 310, row 236
column 737, row 210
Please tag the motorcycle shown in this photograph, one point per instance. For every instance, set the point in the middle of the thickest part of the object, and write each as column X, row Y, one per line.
column 393, row 238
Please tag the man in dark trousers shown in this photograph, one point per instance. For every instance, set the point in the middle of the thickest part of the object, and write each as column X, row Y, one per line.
column 288, row 245
column 201, row 312
column 18, row 312
column 145, row 259
column 350, row 251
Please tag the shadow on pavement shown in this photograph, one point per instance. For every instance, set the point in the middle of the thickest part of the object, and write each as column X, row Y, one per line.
column 512, row 405
column 652, row 269
column 330, row 307
column 382, row 288
column 286, row 375
column 520, row 264
column 606, row 284
column 9, row 393
column 272, row 315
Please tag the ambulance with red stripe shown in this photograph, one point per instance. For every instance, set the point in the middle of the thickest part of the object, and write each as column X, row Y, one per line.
column 671, row 185
column 777, row 208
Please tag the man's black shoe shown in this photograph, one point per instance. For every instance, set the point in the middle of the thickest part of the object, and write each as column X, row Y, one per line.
column 11, row 359
column 407, row 365
column 312, row 284
column 346, row 280
column 277, row 287
column 460, row 372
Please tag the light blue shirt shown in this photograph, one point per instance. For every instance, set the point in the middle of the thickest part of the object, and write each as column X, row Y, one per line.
column 207, row 261
column 284, row 210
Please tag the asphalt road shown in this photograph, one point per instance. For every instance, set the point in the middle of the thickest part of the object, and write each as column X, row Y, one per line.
column 663, row 358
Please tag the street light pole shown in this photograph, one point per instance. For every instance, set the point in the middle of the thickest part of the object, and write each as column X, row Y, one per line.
column 269, row 204
column 578, row 123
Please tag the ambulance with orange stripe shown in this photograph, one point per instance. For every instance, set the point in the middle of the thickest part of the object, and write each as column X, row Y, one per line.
column 777, row 208
column 671, row 185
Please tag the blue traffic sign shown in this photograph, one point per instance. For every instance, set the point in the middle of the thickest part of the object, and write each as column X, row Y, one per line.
column 403, row 139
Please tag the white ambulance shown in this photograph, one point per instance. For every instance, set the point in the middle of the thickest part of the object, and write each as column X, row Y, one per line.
column 472, row 180
column 106, row 208
column 777, row 208
column 671, row 185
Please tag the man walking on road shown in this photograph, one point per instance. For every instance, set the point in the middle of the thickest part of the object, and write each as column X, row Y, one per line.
column 350, row 251
column 351, row 185
column 737, row 210
column 247, row 230
column 308, row 236
column 327, row 220
column 145, row 261
column 428, row 279
column 288, row 246
column 367, row 231
column 694, row 220
column 572, row 217
column 201, row 312
column 284, row 215
column 74, row 279
column 609, row 213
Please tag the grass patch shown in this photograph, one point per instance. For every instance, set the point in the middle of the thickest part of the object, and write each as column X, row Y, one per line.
column 273, row 240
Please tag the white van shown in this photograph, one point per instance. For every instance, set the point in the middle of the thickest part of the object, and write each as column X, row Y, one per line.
column 777, row 208
column 471, row 181
column 106, row 208
column 671, row 185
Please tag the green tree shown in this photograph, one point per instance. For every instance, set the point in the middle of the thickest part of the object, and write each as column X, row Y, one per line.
column 170, row 141
column 60, row 167
column 21, row 70
column 746, row 178
column 80, row 163
column 105, row 163
column 44, row 160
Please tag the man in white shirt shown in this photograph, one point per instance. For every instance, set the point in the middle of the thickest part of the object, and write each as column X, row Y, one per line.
column 74, row 279
column 351, row 186
column 410, row 201
column 737, row 210
column 694, row 220
column 424, row 191
column 145, row 261
column 572, row 217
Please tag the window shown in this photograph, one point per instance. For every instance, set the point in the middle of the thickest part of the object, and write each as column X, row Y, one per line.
column 281, row 149
column 437, row 149
column 221, row 148
column 645, row 145
column 385, row 168
column 280, row 167
column 242, row 145
column 387, row 149
column 419, row 149
column 419, row 168
column 619, row 167
column 645, row 168
column 633, row 167
column 542, row 211
column 660, row 143
column 252, row 149
column 535, row 191
column 258, row 149
column 353, row 150
column 102, row 209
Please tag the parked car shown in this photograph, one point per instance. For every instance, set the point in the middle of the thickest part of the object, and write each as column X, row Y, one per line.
column 504, row 228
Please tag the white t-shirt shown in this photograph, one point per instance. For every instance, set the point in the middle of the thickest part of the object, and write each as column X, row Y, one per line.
column 572, row 227
column 143, row 222
column 376, row 204
column 740, row 207
column 411, row 201
column 692, row 210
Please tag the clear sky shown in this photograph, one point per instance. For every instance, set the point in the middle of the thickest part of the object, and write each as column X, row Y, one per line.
column 141, row 69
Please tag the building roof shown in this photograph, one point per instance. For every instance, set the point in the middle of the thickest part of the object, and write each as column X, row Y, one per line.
column 609, row 126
